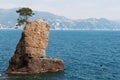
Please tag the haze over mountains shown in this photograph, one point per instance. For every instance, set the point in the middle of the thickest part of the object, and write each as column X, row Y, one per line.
column 8, row 19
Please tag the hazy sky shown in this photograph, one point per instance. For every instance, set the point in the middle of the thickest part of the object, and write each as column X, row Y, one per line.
column 74, row 9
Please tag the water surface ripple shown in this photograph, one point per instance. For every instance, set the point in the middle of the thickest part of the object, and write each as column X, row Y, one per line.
column 88, row 55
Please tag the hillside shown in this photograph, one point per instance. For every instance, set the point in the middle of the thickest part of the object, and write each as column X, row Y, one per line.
column 8, row 18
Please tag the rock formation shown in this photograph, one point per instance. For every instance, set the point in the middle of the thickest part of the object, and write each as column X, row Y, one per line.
column 30, row 56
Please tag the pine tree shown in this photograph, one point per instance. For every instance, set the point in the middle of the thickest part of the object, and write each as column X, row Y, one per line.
column 24, row 14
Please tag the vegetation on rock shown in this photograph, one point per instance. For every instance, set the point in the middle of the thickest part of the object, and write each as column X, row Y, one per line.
column 24, row 14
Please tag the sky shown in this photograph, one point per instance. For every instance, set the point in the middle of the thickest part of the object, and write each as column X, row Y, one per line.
column 73, row 9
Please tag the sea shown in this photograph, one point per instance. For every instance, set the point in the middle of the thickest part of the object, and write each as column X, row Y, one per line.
column 87, row 55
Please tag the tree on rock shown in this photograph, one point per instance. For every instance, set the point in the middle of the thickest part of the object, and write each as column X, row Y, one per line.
column 24, row 14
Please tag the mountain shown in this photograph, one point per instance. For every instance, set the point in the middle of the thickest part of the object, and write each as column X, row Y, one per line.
column 98, row 24
column 8, row 19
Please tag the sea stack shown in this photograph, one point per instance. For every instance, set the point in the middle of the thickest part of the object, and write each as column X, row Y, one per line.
column 30, row 56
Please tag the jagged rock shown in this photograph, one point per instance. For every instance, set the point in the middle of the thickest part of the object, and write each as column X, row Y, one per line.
column 30, row 56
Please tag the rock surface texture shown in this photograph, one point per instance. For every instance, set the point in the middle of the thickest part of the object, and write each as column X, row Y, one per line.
column 30, row 56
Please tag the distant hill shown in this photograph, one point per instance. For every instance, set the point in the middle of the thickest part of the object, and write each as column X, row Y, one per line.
column 8, row 18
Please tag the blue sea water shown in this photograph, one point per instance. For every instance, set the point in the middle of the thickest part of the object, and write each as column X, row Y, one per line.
column 88, row 55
